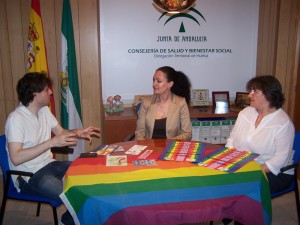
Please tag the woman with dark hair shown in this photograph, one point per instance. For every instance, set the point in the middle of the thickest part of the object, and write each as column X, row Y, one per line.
column 265, row 128
column 165, row 114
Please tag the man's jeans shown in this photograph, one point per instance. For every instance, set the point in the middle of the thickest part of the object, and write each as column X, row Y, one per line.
column 47, row 181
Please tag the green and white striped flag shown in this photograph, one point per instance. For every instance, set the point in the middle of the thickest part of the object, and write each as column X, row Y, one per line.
column 70, row 97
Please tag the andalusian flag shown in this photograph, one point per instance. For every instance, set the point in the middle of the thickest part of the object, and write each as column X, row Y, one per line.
column 70, row 97
column 36, row 49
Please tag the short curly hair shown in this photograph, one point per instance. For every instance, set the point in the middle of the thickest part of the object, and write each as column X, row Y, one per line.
column 30, row 83
column 182, row 84
column 270, row 87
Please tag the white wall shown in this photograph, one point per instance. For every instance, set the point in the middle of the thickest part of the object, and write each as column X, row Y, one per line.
column 230, row 25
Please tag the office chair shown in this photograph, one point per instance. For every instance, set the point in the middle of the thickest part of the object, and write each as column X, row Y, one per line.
column 294, row 184
column 10, row 192
column 130, row 137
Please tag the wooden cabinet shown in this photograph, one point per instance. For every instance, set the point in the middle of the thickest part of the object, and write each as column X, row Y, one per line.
column 117, row 126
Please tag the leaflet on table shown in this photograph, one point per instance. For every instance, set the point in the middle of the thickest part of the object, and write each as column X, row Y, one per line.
column 144, row 162
column 106, row 149
column 183, row 151
column 145, row 154
column 228, row 159
column 116, row 160
column 135, row 150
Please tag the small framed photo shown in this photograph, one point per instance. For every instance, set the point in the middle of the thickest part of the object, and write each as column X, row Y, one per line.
column 242, row 100
column 222, row 96
column 200, row 97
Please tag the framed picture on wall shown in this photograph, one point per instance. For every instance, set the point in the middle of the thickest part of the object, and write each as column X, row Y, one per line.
column 242, row 100
column 200, row 97
column 222, row 96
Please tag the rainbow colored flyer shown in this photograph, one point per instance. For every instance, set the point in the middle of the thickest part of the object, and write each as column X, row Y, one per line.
column 183, row 151
column 228, row 159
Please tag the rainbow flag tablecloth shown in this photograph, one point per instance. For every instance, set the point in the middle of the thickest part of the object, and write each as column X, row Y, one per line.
column 170, row 193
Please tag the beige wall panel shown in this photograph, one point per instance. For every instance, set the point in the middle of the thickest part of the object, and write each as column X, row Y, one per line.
column 296, row 71
column 296, row 112
column 58, row 16
column 286, row 53
column 88, row 117
column 272, row 33
column 7, row 87
column 2, row 116
column 14, row 20
column 57, row 20
column 102, row 110
column 266, row 41
column 2, row 98
column 89, row 57
column 9, row 106
column 283, row 38
column 3, row 41
column 2, row 93
column 263, row 38
column 291, row 64
column 259, row 63
column 267, row 35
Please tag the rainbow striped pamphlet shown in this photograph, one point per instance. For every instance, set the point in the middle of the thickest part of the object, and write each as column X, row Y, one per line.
column 183, row 151
column 228, row 159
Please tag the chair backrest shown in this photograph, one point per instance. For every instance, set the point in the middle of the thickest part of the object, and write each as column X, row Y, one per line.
column 296, row 147
column 138, row 107
column 3, row 157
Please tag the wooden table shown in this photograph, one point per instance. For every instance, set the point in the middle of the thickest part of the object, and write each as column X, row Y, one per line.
column 169, row 193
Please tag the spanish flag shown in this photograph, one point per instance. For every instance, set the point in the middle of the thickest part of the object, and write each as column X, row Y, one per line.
column 36, row 49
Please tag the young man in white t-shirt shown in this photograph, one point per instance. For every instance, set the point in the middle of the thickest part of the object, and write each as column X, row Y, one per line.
column 28, row 131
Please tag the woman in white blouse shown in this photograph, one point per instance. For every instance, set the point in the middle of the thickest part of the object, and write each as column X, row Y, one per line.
column 266, row 129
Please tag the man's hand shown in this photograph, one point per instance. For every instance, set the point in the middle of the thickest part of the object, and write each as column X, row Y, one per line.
column 88, row 133
column 19, row 155
column 64, row 140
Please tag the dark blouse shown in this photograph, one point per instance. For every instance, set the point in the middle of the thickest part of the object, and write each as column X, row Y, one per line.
column 159, row 131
